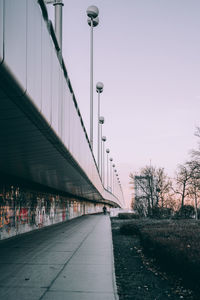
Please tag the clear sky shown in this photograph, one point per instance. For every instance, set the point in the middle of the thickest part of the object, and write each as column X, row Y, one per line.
column 147, row 54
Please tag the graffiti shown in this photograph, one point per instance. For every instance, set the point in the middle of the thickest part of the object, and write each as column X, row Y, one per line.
column 22, row 210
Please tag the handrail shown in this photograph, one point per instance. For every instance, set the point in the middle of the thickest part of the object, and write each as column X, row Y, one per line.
column 53, row 35
column 44, row 9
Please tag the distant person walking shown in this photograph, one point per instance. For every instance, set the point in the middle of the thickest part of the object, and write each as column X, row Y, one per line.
column 104, row 210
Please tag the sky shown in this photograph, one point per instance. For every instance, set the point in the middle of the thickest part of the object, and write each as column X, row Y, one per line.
column 147, row 54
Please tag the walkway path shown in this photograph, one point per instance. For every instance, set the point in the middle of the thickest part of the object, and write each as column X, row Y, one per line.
column 72, row 261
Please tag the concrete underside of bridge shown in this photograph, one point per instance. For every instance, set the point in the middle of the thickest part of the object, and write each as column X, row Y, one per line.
column 30, row 150
column 40, row 183
column 48, row 172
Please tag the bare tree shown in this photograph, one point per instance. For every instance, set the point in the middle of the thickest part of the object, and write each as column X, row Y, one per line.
column 183, row 177
column 163, row 187
column 194, row 183
column 152, row 187
column 188, row 178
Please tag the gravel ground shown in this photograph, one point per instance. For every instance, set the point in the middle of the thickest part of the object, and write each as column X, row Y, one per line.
column 138, row 278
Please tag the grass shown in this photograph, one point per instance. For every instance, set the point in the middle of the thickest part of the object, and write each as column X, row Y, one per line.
column 127, row 216
column 175, row 244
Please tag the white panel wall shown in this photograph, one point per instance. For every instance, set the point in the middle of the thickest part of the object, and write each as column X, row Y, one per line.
column 31, row 56
column 15, row 32
column 34, row 53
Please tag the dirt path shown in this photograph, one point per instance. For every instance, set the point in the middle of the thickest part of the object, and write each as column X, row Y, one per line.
column 137, row 278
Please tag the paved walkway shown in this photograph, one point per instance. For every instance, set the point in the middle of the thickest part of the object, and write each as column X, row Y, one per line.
column 72, row 261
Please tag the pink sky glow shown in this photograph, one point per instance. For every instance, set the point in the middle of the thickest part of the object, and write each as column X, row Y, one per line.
column 147, row 54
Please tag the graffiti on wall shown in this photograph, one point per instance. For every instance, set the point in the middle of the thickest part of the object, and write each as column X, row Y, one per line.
column 22, row 210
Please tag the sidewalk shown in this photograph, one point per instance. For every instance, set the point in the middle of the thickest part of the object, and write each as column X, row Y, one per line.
column 72, row 261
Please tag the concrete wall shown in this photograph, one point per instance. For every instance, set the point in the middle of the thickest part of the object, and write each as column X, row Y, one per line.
column 23, row 209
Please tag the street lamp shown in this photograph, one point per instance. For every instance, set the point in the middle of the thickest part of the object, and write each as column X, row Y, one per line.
column 58, row 19
column 113, row 178
column 93, row 21
column 101, row 122
column 103, row 163
column 107, row 151
column 99, row 89
column 111, row 159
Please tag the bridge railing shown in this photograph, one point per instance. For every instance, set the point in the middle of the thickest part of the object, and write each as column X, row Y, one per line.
column 29, row 50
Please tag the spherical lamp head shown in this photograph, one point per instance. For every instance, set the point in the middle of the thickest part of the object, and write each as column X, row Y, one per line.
column 107, row 150
column 101, row 120
column 92, row 11
column 111, row 159
column 113, row 165
column 115, row 170
column 103, row 138
column 99, row 87
column 94, row 22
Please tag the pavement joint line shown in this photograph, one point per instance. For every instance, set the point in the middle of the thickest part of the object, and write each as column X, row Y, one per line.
column 22, row 287
column 61, row 251
column 55, row 228
column 42, row 231
column 48, row 288
column 32, row 264
column 47, row 247
column 80, row 292
column 99, row 264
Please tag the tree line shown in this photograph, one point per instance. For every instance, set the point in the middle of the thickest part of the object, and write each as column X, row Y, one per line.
column 158, row 195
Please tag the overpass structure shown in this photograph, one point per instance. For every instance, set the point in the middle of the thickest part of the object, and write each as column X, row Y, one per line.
column 48, row 171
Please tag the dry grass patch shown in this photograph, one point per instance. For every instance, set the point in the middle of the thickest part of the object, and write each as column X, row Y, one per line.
column 175, row 244
column 125, row 216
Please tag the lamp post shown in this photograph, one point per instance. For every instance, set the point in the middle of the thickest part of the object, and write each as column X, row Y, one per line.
column 103, row 163
column 93, row 21
column 117, row 177
column 113, row 179
column 111, row 174
column 99, row 89
column 101, row 122
column 107, row 151
column 58, row 19
column 115, row 172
